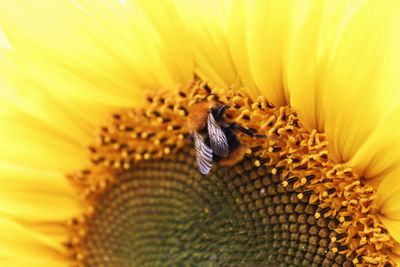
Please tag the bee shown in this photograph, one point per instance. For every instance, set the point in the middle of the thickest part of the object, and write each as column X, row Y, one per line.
column 214, row 138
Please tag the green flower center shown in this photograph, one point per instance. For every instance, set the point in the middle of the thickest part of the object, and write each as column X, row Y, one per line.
column 165, row 213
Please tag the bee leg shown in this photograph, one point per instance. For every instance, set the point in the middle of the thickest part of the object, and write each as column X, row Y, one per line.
column 242, row 129
column 247, row 131
column 219, row 112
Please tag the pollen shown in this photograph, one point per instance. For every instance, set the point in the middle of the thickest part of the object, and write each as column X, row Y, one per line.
column 286, row 202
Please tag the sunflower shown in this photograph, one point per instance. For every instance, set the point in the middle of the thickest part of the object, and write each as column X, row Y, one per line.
column 98, row 164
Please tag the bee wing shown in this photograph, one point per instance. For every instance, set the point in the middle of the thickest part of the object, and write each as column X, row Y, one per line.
column 218, row 141
column 203, row 154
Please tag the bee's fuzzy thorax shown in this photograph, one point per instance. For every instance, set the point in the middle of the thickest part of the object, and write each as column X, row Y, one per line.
column 197, row 116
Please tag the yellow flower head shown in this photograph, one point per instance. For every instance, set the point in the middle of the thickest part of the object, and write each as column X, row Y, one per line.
column 218, row 133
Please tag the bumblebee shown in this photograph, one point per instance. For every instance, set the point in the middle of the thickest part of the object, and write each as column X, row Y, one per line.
column 214, row 138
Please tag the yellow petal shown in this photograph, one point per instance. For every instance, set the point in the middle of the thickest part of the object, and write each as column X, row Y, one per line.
column 396, row 254
column 38, row 206
column 239, row 46
column 207, row 23
column 262, row 32
column 33, row 195
column 343, row 80
column 388, row 202
column 310, row 51
column 17, row 240
column 392, row 226
column 33, row 262
column 396, row 259
column 16, row 176
column 53, row 113
column 380, row 152
column 78, row 50
column 172, row 52
column 3, row 40
column 33, row 205
column 32, row 144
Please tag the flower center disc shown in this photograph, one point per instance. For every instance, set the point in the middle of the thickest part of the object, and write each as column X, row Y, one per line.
column 165, row 213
